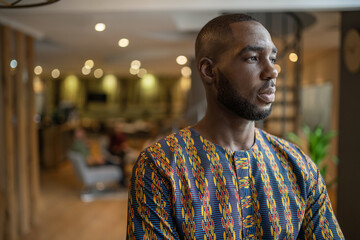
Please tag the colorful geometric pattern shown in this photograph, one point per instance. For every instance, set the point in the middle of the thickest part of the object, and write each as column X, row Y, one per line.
column 186, row 187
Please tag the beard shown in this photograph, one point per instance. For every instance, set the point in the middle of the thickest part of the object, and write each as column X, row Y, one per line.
column 236, row 103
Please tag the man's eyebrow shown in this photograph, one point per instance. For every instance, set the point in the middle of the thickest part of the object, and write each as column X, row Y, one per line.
column 251, row 48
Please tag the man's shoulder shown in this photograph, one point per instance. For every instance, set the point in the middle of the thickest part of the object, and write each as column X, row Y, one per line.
column 160, row 155
column 174, row 136
column 289, row 150
column 167, row 144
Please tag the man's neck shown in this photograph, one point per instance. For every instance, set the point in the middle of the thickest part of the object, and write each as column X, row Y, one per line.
column 227, row 130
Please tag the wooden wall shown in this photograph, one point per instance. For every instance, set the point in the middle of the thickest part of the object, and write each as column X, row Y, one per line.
column 19, row 175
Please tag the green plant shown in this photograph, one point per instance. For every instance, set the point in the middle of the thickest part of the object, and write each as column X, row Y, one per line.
column 318, row 143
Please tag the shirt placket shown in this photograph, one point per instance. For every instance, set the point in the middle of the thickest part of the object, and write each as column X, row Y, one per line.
column 242, row 160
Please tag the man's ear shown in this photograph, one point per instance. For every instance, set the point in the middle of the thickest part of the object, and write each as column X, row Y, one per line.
column 206, row 68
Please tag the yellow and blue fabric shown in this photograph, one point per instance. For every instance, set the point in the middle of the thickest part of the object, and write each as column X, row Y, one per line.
column 186, row 187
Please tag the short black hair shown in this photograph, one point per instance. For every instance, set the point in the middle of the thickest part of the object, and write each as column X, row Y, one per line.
column 212, row 36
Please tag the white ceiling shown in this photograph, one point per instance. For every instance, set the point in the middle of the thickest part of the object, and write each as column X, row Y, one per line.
column 158, row 32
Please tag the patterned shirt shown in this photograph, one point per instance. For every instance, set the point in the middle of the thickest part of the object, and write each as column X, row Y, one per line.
column 186, row 187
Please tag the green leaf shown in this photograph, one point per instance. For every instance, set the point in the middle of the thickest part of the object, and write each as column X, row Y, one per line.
column 318, row 145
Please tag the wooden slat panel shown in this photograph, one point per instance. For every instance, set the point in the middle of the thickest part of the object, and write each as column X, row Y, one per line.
column 2, row 194
column 21, row 139
column 11, row 221
column 33, row 135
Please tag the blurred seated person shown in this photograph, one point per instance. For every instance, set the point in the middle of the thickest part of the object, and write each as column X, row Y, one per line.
column 88, row 148
column 118, row 146
column 117, row 141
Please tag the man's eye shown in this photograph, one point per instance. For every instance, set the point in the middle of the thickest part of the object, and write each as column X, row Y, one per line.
column 252, row 59
column 273, row 60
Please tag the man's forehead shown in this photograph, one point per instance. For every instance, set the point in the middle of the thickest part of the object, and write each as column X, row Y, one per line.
column 250, row 33
column 247, row 26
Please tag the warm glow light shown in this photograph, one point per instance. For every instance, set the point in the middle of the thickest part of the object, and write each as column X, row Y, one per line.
column 98, row 73
column 13, row 63
column 55, row 73
column 293, row 57
column 148, row 81
column 38, row 70
column 134, row 71
column 100, row 27
column 85, row 70
column 135, row 64
column 142, row 72
column 278, row 68
column 109, row 83
column 181, row 60
column 70, row 88
column 185, row 84
column 186, row 71
column 38, row 85
column 124, row 42
column 89, row 64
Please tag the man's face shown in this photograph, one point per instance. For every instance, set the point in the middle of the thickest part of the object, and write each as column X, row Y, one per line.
column 246, row 76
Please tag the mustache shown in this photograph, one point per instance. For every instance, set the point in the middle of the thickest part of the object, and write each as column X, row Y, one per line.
column 267, row 84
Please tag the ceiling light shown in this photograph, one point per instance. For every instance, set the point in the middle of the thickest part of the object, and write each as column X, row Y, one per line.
column 89, row 64
column 134, row 71
column 293, row 57
column 13, row 63
column 181, row 60
column 38, row 70
column 55, row 73
column 278, row 68
column 85, row 70
column 124, row 42
column 135, row 64
column 98, row 73
column 142, row 72
column 100, row 27
column 186, row 71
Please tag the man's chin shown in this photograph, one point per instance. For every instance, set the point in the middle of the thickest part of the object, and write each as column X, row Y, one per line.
column 261, row 114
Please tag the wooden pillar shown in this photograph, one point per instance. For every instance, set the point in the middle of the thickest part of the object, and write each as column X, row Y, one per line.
column 11, row 221
column 32, row 135
column 21, row 137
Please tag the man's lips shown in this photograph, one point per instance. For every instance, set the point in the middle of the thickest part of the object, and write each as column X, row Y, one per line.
column 267, row 95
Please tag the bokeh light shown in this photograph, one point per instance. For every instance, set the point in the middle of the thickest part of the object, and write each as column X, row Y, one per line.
column 181, row 60
column 135, row 64
column 13, row 63
column 89, row 64
column 100, row 27
column 85, row 70
column 55, row 73
column 124, row 42
column 38, row 70
column 277, row 67
column 98, row 73
column 186, row 71
column 142, row 72
column 293, row 57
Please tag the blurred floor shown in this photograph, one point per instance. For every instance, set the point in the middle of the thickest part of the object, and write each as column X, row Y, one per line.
column 63, row 216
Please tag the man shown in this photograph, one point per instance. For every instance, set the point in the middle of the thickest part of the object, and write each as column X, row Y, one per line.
column 224, row 178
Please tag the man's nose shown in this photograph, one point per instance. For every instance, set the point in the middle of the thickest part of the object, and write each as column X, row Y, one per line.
column 269, row 71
